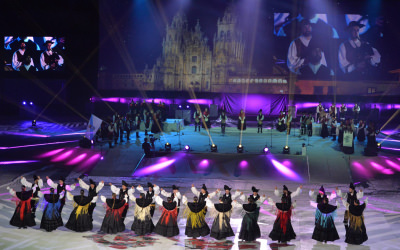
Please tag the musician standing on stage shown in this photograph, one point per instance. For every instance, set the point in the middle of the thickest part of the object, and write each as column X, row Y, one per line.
column 303, row 124
column 356, row 112
column 50, row 60
column 281, row 122
column 319, row 110
column 110, row 134
column 333, row 127
column 242, row 120
column 197, row 119
column 343, row 110
column 147, row 120
column 206, row 116
column 357, row 57
column 309, row 122
column 333, row 110
column 260, row 119
column 137, row 123
column 223, row 119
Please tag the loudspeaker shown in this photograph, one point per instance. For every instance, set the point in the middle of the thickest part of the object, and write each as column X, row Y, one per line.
column 213, row 110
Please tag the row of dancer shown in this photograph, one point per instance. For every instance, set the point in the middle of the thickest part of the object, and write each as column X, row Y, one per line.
column 81, row 217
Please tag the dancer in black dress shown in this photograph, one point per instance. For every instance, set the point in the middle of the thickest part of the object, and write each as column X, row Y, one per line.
column 37, row 184
column 167, row 225
column 153, row 190
column 22, row 217
column 80, row 219
column 142, row 223
column 325, row 215
column 195, row 212
column 51, row 218
column 221, row 227
column 361, row 131
column 356, row 233
column 113, row 222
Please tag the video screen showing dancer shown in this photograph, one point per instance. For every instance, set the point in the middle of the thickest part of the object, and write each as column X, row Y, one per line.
column 32, row 54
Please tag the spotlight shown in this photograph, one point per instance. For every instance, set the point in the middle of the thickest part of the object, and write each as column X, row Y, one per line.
column 180, row 106
column 92, row 142
column 187, row 106
column 24, row 103
column 214, row 148
column 239, row 148
column 31, row 103
column 286, row 150
column 266, row 150
column 167, row 146
column 102, row 158
column 187, row 148
column 34, row 123
column 378, row 146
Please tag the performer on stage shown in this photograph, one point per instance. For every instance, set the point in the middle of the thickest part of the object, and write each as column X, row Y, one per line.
column 223, row 119
column 343, row 110
column 333, row 127
column 113, row 222
column 142, row 223
column 227, row 196
column 153, row 190
column 51, row 218
column 282, row 230
column 287, row 195
column 197, row 116
column 195, row 212
column 110, row 134
column 321, row 195
column 356, row 232
column 303, row 127
column 156, row 124
column 319, row 110
column 167, row 225
column 333, row 110
column 350, row 197
column 356, row 112
column 203, row 194
column 121, row 128
column 60, row 187
column 281, row 122
column 116, row 129
column 20, row 56
column 309, row 122
column 22, row 217
column 242, row 120
column 221, row 227
column 128, row 126
column 123, row 193
column 175, row 195
column 80, row 219
column 36, row 185
column 147, row 121
column 361, row 131
column 49, row 59
column 255, row 196
column 138, row 120
column 325, row 229
column 206, row 116
column 324, row 126
column 260, row 119
column 93, row 191
column 143, row 109
column 288, row 122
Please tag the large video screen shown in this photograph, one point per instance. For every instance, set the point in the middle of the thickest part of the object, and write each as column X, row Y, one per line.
column 32, row 54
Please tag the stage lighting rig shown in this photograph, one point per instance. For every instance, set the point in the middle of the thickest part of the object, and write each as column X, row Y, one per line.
column 214, row 148
column 187, row 148
column 286, row 150
column 240, row 148
column 24, row 103
column 168, row 147
column 266, row 150
column 378, row 146
column 34, row 123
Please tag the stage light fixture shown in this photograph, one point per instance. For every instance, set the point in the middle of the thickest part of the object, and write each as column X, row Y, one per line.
column 187, row 148
column 167, row 146
column 24, row 103
column 266, row 150
column 214, row 148
column 31, row 103
column 187, row 106
column 92, row 142
column 240, row 148
column 34, row 123
column 180, row 106
column 286, row 150
column 102, row 158
column 378, row 146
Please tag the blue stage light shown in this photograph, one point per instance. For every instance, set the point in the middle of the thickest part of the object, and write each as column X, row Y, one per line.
column 31, row 103
column 24, row 103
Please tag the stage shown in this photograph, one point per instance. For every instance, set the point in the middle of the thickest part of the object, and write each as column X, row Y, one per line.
column 324, row 164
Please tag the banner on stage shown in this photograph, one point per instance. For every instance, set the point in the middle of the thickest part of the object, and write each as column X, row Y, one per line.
column 348, row 139
column 93, row 125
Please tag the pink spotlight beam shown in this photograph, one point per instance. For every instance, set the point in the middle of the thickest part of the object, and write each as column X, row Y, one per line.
column 51, row 153
column 77, row 159
column 285, row 171
column 16, row 162
column 37, row 145
column 25, row 134
column 153, row 168
column 63, row 156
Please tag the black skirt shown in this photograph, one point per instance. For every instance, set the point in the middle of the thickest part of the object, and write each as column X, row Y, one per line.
column 324, row 131
column 155, row 128
column 81, row 224
column 356, row 236
column 112, row 222
column 250, row 230
column 361, row 135
column 225, row 231
column 143, row 227
column 51, row 218
column 167, row 225
column 325, row 233
column 202, row 231
column 27, row 220
column 239, row 126
column 278, row 234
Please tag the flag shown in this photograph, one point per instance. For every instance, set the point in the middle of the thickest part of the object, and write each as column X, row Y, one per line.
column 93, row 125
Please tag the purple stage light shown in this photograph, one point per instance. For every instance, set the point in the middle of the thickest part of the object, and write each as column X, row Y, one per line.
column 24, row 103
column 91, row 142
column 187, row 148
column 51, row 153
column 102, row 158
column 285, row 171
column 36, row 145
column 361, row 169
column 63, row 156
column 200, row 101
column 92, row 159
column 16, row 162
column 25, row 134
column 31, row 103
column 153, row 168
column 187, row 106
column 180, row 106
column 381, row 169
column 204, row 163
column 395, row 149
column 75, row 133
column 77, row 159
column 243, row 164
column 266, row 150
column 393, row 165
